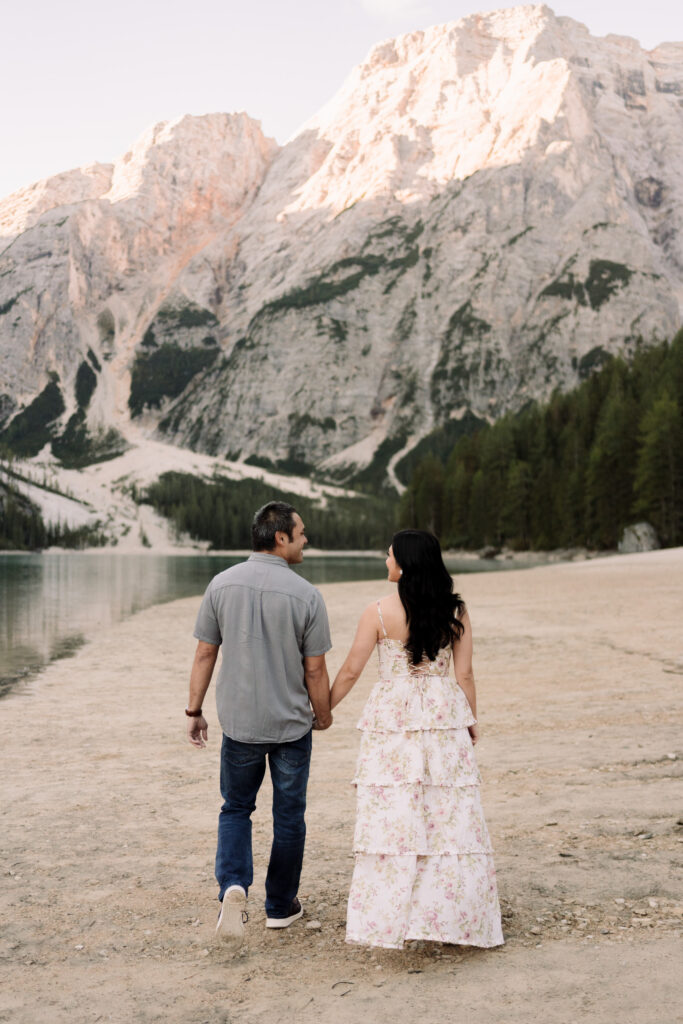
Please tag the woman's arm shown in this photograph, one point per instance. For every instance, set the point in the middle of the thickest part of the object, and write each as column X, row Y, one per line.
column 464, row 675
column 356, row 659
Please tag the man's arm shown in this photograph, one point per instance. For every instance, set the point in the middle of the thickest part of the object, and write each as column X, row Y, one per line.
column 318, row 685
column 200, row 677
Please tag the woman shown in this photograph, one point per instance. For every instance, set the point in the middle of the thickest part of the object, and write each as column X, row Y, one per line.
column 424, row 868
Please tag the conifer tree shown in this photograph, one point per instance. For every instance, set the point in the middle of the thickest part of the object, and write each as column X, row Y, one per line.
column 516, row 515
column 610, row 471
column 457, row 487
column 477, row 523
column 428, row 495
column 659, row 472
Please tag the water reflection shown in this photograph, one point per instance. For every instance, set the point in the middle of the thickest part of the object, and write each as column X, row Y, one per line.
column 50, row 603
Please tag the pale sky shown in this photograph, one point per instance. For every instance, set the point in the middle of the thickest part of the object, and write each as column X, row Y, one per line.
column 80, row 80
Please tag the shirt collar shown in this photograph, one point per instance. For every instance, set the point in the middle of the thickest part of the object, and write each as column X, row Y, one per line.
column 263, row 556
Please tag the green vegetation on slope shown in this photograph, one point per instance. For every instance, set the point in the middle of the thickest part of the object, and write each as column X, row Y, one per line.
column 33, row 427
column 164, row 372
column 190, row 315
column 604, row 279
column 76, row 447
column 439, row 442
column 221, row 512
column 86, row 382
column 22, row 527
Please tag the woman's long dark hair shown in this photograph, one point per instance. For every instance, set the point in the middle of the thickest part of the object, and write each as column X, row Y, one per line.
column 426, row 592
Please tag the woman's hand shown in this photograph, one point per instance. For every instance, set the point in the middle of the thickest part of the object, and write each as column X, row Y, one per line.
column 473, row 730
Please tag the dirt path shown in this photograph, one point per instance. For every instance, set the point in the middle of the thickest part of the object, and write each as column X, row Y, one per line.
column 108, row 826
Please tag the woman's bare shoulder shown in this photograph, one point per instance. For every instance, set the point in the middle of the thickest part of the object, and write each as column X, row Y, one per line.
column 391, row 606
column 372, row 611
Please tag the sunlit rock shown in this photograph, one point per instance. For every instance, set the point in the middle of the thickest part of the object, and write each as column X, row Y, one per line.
column 483, row 213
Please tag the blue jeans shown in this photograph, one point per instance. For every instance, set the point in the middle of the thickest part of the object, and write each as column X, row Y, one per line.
column 243, row 767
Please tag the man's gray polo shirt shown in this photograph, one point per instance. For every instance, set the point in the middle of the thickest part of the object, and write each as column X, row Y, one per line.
column 267, row 619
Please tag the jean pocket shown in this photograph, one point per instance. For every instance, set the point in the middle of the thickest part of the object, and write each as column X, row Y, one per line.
column 294, row 759
column 241, row 755
column 242, row 758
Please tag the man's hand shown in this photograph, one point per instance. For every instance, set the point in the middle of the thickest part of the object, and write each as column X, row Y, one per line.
column 197, row 731
column 200, row 677
column 323, row 723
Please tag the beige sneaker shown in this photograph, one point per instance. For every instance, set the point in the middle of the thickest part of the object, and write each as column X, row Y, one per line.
column 232, row 918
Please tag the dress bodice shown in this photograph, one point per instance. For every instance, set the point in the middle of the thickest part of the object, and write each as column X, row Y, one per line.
column 395, row 660
column 410, row 697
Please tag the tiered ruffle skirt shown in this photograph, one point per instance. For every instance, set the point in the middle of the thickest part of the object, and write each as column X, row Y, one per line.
column 423, row 861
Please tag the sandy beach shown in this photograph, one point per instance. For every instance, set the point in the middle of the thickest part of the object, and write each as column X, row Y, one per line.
column 109, row 817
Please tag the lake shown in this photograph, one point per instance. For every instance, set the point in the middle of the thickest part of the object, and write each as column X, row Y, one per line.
column 51, row 603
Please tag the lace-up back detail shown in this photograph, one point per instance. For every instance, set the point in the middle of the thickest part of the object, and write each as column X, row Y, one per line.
column 398, row 659
column 413, row 697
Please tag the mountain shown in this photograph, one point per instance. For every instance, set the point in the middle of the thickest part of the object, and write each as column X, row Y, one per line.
column 483, row 211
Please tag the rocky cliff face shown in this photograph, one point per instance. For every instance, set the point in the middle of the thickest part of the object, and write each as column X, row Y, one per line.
column 88, row 260
column 482, row 212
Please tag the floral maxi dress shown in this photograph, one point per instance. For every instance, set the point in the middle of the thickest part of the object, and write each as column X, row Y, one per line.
column 423, row 860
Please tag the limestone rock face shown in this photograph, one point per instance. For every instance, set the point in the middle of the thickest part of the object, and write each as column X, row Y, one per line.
column 483, row 212
column 88, row 258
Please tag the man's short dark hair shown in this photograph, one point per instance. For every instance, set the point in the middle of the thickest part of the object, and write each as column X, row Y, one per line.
column 274, row 517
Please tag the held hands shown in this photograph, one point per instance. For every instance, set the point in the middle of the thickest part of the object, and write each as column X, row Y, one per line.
column 474, row 733
column 197, row 731
column 322, row 723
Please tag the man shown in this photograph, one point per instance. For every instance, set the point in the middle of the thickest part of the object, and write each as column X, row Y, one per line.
column 273, row 629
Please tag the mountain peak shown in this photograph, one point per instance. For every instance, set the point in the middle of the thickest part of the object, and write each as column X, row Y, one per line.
column 482, row 213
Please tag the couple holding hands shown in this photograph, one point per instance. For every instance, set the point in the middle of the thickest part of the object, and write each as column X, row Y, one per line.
column 423, row 861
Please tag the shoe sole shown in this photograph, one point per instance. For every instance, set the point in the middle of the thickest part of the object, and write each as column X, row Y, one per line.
column 284, row 922
column 230, row 927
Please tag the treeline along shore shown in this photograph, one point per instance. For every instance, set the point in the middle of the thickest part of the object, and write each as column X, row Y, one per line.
column 574, row 471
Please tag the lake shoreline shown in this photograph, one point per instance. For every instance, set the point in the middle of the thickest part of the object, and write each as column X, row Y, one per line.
column 574, row 554
column 22, row 658
column 51, row 603
column 109, row 823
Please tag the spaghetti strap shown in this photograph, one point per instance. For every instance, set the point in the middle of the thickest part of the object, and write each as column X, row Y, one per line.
column 379, row 612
